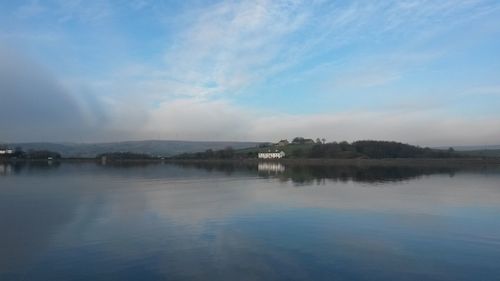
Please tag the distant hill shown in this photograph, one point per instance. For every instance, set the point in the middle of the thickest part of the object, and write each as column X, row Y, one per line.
column 364, row 149
column 478, row 150
column 472, row 147
column 152, row 147
column 482, row 152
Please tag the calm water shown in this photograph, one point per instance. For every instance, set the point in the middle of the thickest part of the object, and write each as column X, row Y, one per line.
column 265, row 222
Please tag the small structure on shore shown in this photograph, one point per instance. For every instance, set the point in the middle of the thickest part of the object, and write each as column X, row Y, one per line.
column 4, row 151
column 282, row 143
column 271, row 155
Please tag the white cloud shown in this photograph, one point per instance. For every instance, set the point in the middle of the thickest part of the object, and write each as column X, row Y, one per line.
column 426, row 128
column 232, row 44
column 198, row 119
column 224, row 47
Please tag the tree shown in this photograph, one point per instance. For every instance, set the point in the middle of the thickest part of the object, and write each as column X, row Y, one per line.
column 43, row 154
column 209, row 153
column 19, row 153
column 345, row 146
column 298, row 153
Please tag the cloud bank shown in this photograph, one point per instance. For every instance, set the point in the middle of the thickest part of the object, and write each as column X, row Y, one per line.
column 410, row 71
column 32, row 103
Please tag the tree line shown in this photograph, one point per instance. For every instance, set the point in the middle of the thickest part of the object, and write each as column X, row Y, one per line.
column 300, row 148
column 376, row 150
column 19, row 153
column 334, row 150
column 226, row 153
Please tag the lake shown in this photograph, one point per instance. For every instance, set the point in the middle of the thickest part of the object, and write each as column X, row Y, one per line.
column 266, row 221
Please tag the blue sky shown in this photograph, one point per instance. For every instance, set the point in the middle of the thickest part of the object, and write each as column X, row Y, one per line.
column 423, row 72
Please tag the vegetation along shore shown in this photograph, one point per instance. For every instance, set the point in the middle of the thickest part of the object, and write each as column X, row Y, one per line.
column 298, row 151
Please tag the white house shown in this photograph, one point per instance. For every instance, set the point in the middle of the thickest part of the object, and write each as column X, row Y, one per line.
column 271, row 155
column 4, row 151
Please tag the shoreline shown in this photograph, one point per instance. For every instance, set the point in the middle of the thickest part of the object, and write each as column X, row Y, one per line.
column 439, row 162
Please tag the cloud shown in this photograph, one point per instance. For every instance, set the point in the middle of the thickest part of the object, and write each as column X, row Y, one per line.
column 199, row 119
column 225, row 47
column 103, row 85
column 33, row 104
column 45, row 109
column 231, row 44
column 421, row 127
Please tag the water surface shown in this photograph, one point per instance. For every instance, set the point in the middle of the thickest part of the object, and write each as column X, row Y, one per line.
column 248, row 222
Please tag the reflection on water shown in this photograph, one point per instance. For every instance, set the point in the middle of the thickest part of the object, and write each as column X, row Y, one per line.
column 5, row 169
column 20, row 166
column 147, row 221
column 271, row 167
column 371, row 174
column 309, row 174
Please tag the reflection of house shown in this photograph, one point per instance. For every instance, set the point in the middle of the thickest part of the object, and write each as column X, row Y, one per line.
column 271, row 155
column 271, row 167
column 5, row 169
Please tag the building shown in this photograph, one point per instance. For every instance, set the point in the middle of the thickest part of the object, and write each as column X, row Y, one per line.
column 301, row 140
column 309, row 141
column 282, row 143
column 6, row 151
column 271, row 155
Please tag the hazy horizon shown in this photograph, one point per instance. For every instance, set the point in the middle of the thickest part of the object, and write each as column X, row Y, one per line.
column 460, row 147
column 418, row 72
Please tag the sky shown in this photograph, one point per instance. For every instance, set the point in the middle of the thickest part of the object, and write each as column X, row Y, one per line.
column 416, row 71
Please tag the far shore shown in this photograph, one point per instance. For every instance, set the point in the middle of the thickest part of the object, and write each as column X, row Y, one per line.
column 357, row 162
column 437, row 162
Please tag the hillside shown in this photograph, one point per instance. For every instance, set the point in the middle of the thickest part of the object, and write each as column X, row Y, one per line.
column 479, row 150
column 482, row 152
column 475, row 147
column 342, row 150
column 153, row 147
column 288, row 149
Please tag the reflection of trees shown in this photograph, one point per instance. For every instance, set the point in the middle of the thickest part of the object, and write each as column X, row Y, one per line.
column 227, row 168
column 309, row 173
column 128, row 164
column 302, row 173
column 20, row 166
